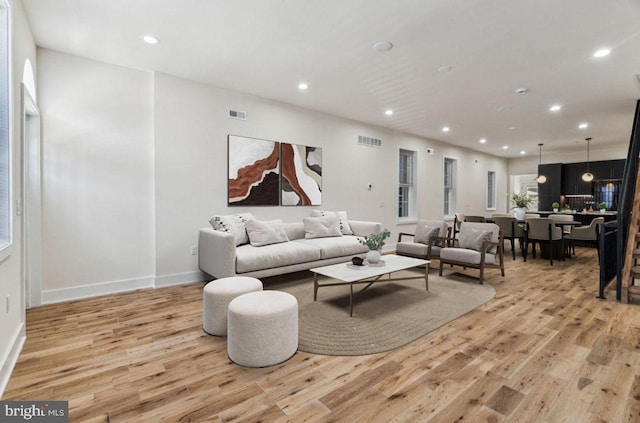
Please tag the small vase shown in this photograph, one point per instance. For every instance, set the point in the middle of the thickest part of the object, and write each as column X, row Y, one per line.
column 520, row 213
column 373, row 256
column 555, row 210
column 603, row 210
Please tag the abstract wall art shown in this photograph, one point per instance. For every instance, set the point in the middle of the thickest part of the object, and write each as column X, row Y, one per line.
column 301, row 175
column 254, row 173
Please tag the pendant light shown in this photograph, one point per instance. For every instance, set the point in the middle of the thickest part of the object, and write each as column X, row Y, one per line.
column 588, row 176
column 541, row 179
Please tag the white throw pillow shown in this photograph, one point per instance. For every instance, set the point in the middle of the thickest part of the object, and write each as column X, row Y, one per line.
column 233, row 224
column 266, row 232
column 320, row 227
column 424, row 233
column 345, row 228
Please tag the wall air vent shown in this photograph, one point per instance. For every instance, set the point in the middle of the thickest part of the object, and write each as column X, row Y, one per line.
column 369, row 142
column 237, row 114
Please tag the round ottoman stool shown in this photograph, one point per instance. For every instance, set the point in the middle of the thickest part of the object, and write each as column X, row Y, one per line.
column 216, row 297
column 263, row 328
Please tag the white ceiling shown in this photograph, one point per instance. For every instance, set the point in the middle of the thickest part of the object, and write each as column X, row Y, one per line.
column 266, row 47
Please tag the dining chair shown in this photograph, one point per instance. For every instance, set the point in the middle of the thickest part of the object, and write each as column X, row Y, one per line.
column 477, row 219
column 588, row 234
column 566, row 229
column 457, row 220
column 511, row 230
column 543, row 231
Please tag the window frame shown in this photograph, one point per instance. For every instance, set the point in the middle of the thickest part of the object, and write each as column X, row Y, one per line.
column 450, row 192
column 6, row 231
column 491, row 189
column 410, row 199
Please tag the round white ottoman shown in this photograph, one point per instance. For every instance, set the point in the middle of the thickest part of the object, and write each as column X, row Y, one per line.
column 263, row 328
column 216, row 297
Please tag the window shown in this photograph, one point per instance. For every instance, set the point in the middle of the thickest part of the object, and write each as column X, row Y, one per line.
column 449, row 186
column 406, row 187
column 491, row 190
column 5, row 150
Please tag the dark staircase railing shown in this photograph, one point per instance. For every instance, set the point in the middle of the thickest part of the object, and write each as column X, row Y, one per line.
column 625, row 212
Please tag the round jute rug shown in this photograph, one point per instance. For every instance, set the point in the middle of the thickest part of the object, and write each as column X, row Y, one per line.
column 385, row 316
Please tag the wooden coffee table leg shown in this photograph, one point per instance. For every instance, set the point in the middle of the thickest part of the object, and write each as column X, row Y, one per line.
column 315, row 286
column 351, row 300
column 426, row 275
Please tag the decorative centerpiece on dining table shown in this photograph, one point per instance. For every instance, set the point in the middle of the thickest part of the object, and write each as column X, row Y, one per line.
column 375, row 242
column 555, row 206
column 522, row 202
column 603, row 207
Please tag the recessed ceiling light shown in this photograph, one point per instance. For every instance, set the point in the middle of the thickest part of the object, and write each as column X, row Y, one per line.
column 504, row 108
column 602, row 52
column 383, row 46
column 483, row 140
column 583, row 125
column 521, row 91
column 303, row 86
column 150, row 39
column 445, row 129
column 555, row 108
column 388, row 112
column 444, row 69
column 505, row 147
column 522, row 152
column 511, row 128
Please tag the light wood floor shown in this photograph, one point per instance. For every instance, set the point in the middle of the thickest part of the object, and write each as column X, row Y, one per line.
column 544, row 350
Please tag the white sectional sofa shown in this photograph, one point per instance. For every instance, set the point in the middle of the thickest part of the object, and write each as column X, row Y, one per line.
column 301, row 249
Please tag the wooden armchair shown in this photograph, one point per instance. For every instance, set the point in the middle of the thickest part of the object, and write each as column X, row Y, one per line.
column 479, row 246
column 429, row 239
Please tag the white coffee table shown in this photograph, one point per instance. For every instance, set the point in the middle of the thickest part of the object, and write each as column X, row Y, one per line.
column 349, row 274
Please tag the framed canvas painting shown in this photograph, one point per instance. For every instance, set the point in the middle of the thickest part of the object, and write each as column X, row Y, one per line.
column 301, row 175
column 254, row 176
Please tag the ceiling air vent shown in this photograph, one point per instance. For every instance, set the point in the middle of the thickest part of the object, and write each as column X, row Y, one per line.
column 237, row 114
column 368, row 141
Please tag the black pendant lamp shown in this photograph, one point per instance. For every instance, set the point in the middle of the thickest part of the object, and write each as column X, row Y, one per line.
column 541, row 179
column 588, row 176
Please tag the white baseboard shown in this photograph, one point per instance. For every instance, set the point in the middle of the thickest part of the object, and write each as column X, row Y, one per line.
column 9, row 361
column 181, row 279
column 88, row 291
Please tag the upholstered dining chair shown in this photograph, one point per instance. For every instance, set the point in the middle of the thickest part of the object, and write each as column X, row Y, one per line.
column 542, row 230
column 479, row 246
column 588, row 234
column 511, row 230
column 531, row 215
column 457, row 220
column 480, row 219
column 566, row 229
column 429, row 238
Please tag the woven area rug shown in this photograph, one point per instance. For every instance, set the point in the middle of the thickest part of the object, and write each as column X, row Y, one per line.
column 385, row 316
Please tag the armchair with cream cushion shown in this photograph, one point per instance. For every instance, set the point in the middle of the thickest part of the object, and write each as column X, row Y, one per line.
column 479, row 246
column 429, row 238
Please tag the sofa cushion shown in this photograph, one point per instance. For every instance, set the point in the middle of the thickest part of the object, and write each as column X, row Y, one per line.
column 234, row 224
column 250, row 258
column 344, row 246
column 345, row 228
column 263, row 233
column 320, row 227
column 465, row 255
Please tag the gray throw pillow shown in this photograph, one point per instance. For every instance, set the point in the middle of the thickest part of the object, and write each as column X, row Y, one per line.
column 476, row 238
column 266, row 232
column 424, row 233
column 345, row 228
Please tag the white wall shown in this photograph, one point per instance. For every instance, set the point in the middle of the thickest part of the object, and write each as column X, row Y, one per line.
column 191, row 129
column 98, row 193
column 12, row 321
